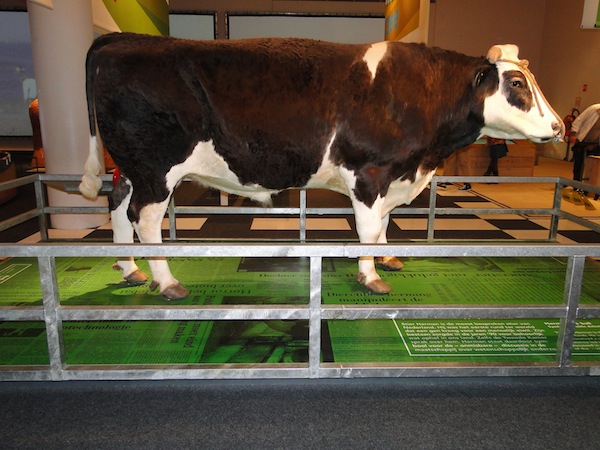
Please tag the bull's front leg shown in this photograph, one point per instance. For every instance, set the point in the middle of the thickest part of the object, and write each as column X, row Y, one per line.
column 370, row 228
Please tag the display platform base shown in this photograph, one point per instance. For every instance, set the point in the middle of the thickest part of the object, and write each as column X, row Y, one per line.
column 263, row 281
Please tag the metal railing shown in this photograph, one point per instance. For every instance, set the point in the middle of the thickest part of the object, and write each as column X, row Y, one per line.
column 53, row 314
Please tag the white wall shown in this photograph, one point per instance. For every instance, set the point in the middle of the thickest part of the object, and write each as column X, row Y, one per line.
column 351, row 30
column 570, row 57
column 473, row 26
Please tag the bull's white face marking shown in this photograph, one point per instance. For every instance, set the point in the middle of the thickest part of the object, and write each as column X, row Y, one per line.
column 374, row 55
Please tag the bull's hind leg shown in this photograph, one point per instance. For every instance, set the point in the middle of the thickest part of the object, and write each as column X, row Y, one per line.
column 123, row 231
column 149, row 232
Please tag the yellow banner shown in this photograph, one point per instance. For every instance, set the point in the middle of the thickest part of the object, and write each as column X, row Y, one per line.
column 140, row 16
column 401, row 18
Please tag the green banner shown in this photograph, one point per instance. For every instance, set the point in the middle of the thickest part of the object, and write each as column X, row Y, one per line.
column 140, row 16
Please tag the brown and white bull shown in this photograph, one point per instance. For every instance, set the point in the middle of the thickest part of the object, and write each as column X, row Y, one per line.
column 254, row 117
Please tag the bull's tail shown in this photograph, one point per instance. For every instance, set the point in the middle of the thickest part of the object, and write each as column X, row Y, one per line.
column 90, row 182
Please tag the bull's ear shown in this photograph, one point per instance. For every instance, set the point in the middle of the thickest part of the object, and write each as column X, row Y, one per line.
column 494, row 54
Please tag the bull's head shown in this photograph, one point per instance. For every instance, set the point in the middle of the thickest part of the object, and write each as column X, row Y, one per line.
column 518, row 108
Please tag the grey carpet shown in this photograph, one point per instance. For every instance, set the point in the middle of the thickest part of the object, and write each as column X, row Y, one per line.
column 492, row 413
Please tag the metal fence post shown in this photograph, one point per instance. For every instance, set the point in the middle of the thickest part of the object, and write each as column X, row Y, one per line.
column 41, row 205
column 54, row 330
column 566, row 333
column 555, row 209
column 431, row 215
column 314, row 321
column 302, row 215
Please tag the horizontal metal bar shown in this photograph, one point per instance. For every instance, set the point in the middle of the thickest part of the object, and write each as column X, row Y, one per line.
column 75, row 209
column 19, row 219
column 588, row 312
column 356, row 312
column 340, row 370
column 25, row 373
column 171, row 249
column 580, row 221
column 505, row 179
column 18, row 313
column 234, row 210
column 238, row 210
column 481, row 211
column 184, row 371
column 524, row 180
column 463, row 250
column 282, row 312
column 186, row 249
column 17, row 182
column 271, row 371
column 168, row 312
column 293, row 312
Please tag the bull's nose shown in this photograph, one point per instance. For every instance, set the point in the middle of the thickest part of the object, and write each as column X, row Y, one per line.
column 558, row 128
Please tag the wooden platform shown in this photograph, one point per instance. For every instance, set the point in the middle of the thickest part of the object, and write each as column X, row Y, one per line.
column 591, row 173
column 474, row 159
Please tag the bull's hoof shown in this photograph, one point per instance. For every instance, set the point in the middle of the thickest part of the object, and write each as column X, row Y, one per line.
column 392, row 264
column 376, row 286
column 135, row 278
column 175, row 292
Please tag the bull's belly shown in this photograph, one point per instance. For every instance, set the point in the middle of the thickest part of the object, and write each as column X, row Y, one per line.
column 209, row 168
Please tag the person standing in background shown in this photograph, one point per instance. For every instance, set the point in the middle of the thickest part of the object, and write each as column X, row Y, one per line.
column 585, row 135
column 498, row 149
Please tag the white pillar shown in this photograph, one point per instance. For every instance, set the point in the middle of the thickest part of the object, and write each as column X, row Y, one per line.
column 61, row 33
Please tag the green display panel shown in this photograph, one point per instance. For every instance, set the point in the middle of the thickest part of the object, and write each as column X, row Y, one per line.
column 458, row 340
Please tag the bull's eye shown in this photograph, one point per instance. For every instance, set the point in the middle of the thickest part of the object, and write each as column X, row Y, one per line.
column 516, row 90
